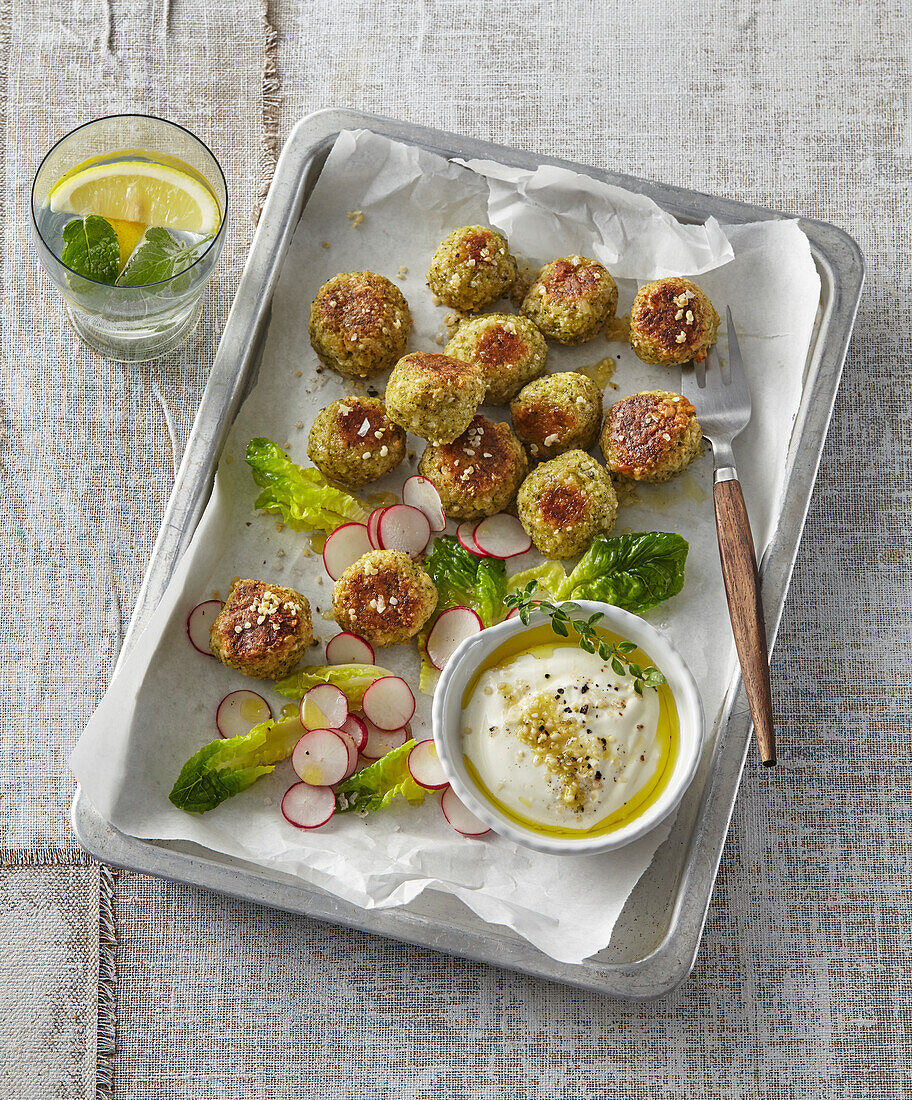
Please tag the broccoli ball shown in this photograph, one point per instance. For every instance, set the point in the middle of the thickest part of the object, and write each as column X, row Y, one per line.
column 671, row 322
column 385, row 597
column 472, row 268
column 651, row 436
column 509, row 350
column 359, row 324
column 354, row 442
column 571, row 300
column 561, row 412
column 263, row 630
column 434, row 396
column 564, row 503
column 477, row 474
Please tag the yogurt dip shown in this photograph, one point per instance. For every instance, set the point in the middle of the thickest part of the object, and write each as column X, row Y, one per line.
column 555, row 737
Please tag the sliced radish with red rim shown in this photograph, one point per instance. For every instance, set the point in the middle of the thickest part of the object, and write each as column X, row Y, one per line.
column 198, row 622
column 404, row 528
column 349, row 649
column 421, row 493
column 321, row 757
column 501, row 537
column 389, row 703
column 449, row 632
column 460, row 816
column 380, row 742
column 465, row 537
column 308, row 807
column 425, row 766
column 352, row 752
column 356, row 728
column 344, row 547
column 240, row 711
column 324, row 707
column 372, row 520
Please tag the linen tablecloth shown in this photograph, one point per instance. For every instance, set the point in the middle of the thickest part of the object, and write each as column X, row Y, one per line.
column 120, row 986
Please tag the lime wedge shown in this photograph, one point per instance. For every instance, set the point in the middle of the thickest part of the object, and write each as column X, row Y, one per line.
column 139, row 191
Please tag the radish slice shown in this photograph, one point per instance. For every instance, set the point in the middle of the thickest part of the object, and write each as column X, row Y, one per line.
column 349, row 649
column 389, row 703
column 324, row 707
column 198, row 622
column 425, row 766
column 421, row 493
column 352, row 752
column 380, row 742
column 372, row 520
column 460, row 816
column 404, row 528
column 501, row 536
column 465, row 537
column 356, row 728
column 343, row 548
column 240, row 711
column 308, row 807
column 321, row 757
column 451, row 629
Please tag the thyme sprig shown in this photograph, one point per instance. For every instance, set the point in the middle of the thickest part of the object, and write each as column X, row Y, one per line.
column 566, row 615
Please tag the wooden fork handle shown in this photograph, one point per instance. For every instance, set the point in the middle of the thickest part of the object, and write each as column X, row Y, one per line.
column 742, row 587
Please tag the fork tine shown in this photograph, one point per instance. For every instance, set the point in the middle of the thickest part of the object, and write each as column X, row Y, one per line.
column 699, row 370
column 734, row 348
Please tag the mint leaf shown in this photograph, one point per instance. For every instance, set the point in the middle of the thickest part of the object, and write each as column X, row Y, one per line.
column 91, row 249
column 158, row 256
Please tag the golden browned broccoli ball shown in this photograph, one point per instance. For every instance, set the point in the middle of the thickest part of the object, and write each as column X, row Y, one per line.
column 651, row 436
column 359, row 324
column 572, row 299
column 354, row 442
column 434, row 396
column 671, row 322
column 385, row 597
column 563, row 504
column 561, row 412
column 509, row 350
column 472, row 268
column 477, row 474
column 263, row 630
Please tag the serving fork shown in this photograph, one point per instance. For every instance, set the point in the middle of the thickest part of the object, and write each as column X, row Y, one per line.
column 719, row 392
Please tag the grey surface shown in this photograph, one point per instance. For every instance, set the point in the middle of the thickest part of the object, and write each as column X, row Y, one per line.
column 656, row 943
column 802, row 986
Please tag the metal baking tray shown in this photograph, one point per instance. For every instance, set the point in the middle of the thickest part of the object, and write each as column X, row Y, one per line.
column 656, row 940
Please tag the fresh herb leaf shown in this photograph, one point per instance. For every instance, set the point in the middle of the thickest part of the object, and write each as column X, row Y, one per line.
column 376, row 786
column 158, row 256
column 636, row 571
column 225, row 767
column 587, row 637
column 91, row 249
column 302, row 496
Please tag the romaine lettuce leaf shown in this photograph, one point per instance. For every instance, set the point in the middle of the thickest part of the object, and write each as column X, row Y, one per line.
column 354, row 680
column 464, row 580
column 375, row 787
column 225, row 767
column 636, row 571
column 302, row 496
column 550, row 575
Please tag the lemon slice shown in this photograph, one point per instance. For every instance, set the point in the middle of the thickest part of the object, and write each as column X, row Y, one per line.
column 139, row 191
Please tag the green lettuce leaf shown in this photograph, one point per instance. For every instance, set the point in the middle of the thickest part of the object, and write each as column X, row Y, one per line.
column 465, row 580
column 462, row 580
column 550, row 575
column 636, row 571
column 354, row 680
column 225, row 767
column 375, row 787
column 158, row 256
column 302, row 496
column 91, row 248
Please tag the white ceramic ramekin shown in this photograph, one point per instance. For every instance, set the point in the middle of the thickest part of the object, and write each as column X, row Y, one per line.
column 447, row 722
